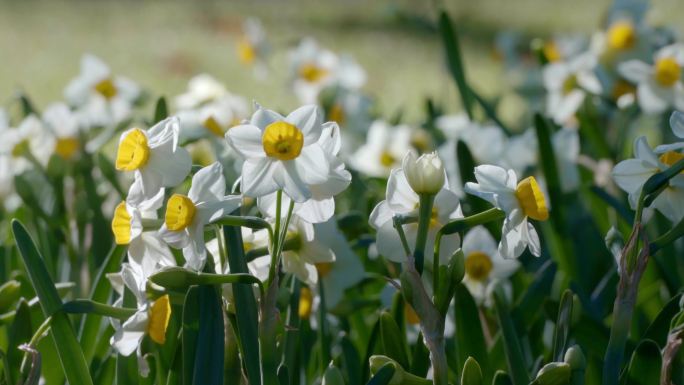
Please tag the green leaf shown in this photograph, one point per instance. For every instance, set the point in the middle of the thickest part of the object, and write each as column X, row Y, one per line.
column 490, row 111
column 393, row 342
column 9, row 294
column 290, row 349
column 160, row 110
column 20, row 332
column 455, row 62
column 420, row 363
column 70, row 353
column 659, row 328
column 189, row 332
column 514, row 356
column 352, row 360
column 383, row 376
column 472, row 374
column 469, row 336
column 100, row 292
column 180, row 279
column 109, row 172
column 526, row 310
column 644, row 367
column 560, row 337
column 86, row 306
column 245, row 306
column 210, row 338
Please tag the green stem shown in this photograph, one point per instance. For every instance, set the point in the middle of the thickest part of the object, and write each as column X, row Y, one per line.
column 622, row 318
column 292, row 331
column 424, row 217
column 85, row 306
column 42, row 329
column 462, row 224
column 322, row 327
column 275, row 239
column 402, row 236
column 672, row 235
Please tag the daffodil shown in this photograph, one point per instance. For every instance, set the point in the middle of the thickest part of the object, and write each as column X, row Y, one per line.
column 659, row 85
column 425, row 174
column 314, row 68
column 154, row 156
column 151, row 318
column 384, row 149
column 631, row 174
column 64, row 126
column 100, row 98
column 520, row 201
column 253, row 48
column 402, row 200
column 568, row 83
column 321, row 206
column 187, row 215
column 484, row 266
column 145, row 249
column 281, row 153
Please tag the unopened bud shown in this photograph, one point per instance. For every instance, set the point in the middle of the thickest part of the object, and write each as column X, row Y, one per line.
column 575, row 358
column 425, row 174
column 555, row 373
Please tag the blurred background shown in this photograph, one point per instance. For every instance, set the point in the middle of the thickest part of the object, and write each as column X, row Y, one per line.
column 161, row 44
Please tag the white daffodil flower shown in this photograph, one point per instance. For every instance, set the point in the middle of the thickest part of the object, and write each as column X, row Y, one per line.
column 631, row 174
column 484, row 266
column 567, row 84
column 213, row 118
column 253, row 48
column 659, row 86
column 146, row 250
column 352, row 111
column 100, row 98
column 402, row 200
column 385, row 146
column 314, row 68
column 425, row 174
column 154, row 155
column 186, row 215
column 64, row 125
column 519, row 200
column 321, row 206
column 151, row 318
column 282, row 153
column 202, row 89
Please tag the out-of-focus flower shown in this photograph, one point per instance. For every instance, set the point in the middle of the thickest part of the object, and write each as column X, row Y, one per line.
column 314, row 68
column 519, row 201
column 154, row 155
column 631, row 174
column 186, row 215
column 352, row 111
column 282, row 153
column 402, row 200
column 484, row 266
column 100, row 98
column 385, row 146
column 151, row 318
column 425, row 174
column 253, row 48
column 321, row 206
column 306, row 253
column 567, row 84
column 659, row 86
column 64, row 126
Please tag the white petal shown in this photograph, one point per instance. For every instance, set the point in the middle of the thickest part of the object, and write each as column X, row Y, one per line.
column 312, row 165
column 635, row 71
column 208, row 184
column 290, row 180
column 651, row 97
column 245, row 139
column 308, row 119
column 258, row 176
column 215, row 210
column 381, row 214
column 263, row 117
column 400, row 196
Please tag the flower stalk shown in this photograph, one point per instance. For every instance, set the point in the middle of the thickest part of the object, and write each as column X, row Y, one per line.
column 424, row 217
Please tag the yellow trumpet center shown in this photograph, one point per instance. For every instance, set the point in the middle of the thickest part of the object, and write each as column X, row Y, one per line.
column 551, row 52
column 106, row 88
column 621, row 35
column 305, row 303
column 387, row 159
column 312, row 73
column 531, row 199
column 20, row 148
column 622, row 88
column 160, row 313
column 569, row 84
column 324, row 268
column 667, row 71
column 133, row 152
column 213, row 126
column 671, row 157
column 121, row 225
column 282, row 140
column 478, row 265
column 180, row 212
column 66, row 147
column 246, row 51
column 336, row 114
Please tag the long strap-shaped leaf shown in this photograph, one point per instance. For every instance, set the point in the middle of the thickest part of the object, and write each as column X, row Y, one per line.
column 210, row 337
column 455, row 62
column 70, row 353
column 245, row 306
column 514, row 356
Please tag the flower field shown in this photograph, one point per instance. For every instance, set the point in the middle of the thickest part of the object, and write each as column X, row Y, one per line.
column 316, row 229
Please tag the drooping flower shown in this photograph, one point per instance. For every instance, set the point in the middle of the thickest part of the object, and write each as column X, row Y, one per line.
column 281, row 153
column 402, row 200
column 484, row 266
column 519, row 200
column 659, row 86
column 186, row 215
column 154, row 156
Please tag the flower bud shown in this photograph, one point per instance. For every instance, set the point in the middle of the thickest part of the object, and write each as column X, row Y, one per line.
column 425, row 174
column 378, row 361
column 555, row 373
column 575, row 358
